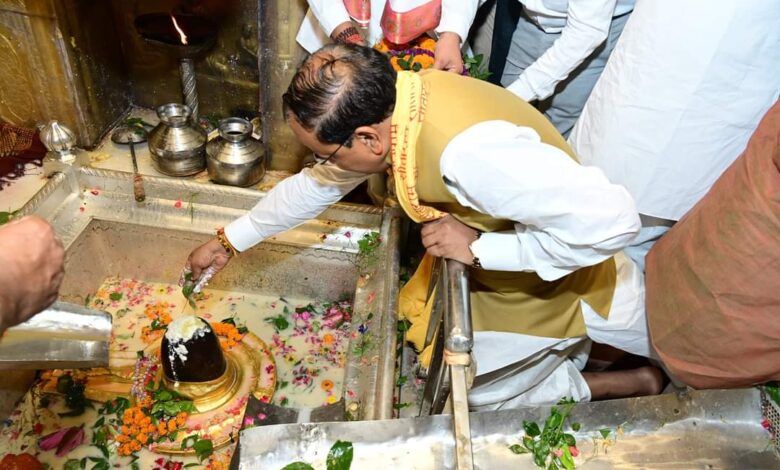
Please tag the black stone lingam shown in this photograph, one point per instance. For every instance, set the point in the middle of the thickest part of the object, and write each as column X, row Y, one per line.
column 196, row 358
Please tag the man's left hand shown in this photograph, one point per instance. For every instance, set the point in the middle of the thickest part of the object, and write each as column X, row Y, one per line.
column 449, row 238
column 447, row 55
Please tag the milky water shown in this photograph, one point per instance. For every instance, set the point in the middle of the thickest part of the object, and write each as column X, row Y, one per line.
column 310, row 353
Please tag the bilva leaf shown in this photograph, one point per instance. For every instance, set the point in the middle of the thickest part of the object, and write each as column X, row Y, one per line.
column 298, row 466
column 340, row 456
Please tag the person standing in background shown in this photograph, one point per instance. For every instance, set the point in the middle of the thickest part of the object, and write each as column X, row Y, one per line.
column 366, row 22
column 558, row 50
column 712, row 297
column 678, row 101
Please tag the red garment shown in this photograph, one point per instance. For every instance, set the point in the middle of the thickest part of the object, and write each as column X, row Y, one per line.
column 18, row 147
column 713, row 281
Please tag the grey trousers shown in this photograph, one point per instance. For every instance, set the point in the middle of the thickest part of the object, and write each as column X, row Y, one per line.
column 563, row 108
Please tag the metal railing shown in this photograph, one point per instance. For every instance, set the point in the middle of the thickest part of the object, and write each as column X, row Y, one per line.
column 449, row 330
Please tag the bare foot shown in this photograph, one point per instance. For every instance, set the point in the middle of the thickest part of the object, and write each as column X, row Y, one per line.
column 650, row 380
column 647, row 380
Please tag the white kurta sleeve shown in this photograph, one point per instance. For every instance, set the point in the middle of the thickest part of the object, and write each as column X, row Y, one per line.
column 329, row 13
column 291, row 202
column 457, row 16
column 587, row 26
column 567, row 216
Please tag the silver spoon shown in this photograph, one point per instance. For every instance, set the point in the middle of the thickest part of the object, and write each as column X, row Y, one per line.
column 131, row 135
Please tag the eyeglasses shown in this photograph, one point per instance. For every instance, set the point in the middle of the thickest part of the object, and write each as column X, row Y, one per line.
column 322, row 160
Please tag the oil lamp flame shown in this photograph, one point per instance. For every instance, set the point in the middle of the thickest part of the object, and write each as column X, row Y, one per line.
column 182, row 36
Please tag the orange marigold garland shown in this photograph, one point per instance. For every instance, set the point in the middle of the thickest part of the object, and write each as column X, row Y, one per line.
column 157, row 414
column 420, row 55
column 160, row 315
column 230, row 334
column 416, row 55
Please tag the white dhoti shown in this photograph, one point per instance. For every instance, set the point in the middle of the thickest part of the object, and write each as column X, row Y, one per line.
column 515, row 370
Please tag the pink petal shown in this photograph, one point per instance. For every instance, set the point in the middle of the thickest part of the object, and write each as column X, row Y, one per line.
column 73, row 438
column 51, row 441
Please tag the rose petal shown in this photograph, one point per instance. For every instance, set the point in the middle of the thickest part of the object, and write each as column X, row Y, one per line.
column 52, row 440
column 72, row 439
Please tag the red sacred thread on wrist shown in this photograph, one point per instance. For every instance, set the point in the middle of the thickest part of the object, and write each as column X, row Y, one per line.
column 349, row 35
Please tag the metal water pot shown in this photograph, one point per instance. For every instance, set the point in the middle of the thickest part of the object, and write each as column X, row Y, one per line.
column 177, row 145
column 234, row 157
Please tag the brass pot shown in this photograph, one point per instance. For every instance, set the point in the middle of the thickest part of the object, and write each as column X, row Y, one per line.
column 177, row 145
column 234, row 157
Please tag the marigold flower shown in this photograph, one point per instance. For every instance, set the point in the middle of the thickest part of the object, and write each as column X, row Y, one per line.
column 327, row 385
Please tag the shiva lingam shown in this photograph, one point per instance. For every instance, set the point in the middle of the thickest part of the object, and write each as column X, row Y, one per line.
column 183, row 36
column 194, row 365
column 189, row 359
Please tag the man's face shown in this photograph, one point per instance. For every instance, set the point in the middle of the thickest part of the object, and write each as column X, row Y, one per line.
column 366, row 155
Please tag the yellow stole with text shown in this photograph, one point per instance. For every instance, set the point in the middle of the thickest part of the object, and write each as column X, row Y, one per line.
column 431, row 108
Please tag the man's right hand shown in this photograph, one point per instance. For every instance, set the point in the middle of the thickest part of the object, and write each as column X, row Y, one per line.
column 210, row 254
column 32, row 260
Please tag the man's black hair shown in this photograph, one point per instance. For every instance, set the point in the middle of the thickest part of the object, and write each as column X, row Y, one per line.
column 340, row 88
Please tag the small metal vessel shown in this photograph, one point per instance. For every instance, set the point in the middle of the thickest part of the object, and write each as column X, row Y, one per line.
column 59, row 141
column 235, row 157
column 177, row 145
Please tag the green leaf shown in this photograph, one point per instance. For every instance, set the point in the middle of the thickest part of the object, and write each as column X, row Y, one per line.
column 531, row 428
column 298, row 466
column 540, row 458
column 100, row 464
column 5, row 217
column 566, row 459
column 64, row 382
column 72, row 464
column 340, row 456
column 401, row 406
column 575, row 427
column 569, row 440
column 279, row 322
column 203, row 449
column 401, row 380
column 518, row 449
column 189, row 441
column 773, row 391
column 605, row 432
column 115, row 296
column 416, row 67
column 134, row 466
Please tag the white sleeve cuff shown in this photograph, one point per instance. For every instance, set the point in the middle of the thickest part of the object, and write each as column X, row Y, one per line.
column 242, row 234
column 330, row 14
column 521, row 88
column 498, row 251
column 457, row 16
